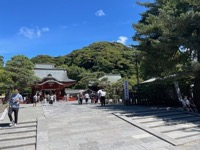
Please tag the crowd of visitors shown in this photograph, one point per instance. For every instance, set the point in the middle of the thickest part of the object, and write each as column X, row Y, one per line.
column 94, row 97
column 47, row 98
column 16, row 98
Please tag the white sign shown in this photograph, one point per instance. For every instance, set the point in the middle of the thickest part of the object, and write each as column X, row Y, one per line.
column 126, row 91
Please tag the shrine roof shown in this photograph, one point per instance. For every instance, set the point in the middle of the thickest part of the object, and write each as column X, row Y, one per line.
column 113, row 78
column 44, row 70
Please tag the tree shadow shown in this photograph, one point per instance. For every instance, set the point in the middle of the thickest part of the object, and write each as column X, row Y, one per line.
column 4, row 125
column 170, row 115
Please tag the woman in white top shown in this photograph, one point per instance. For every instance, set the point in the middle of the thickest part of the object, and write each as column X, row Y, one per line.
column 86, row 98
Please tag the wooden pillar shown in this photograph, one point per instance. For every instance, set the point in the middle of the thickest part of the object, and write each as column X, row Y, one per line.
column 57, row 92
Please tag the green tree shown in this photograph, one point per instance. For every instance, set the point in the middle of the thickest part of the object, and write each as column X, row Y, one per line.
column 74, row 72
column 89, row 79
column 20, row 70
column 43, row 59
column 59, row 61
column 1, row 61
column 5, row 80
column 165, row 29
column 107, row 57
column 104, row 57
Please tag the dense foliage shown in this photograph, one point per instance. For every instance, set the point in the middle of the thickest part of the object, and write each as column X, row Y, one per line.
column 166, row 27
column 84, row 65
column 20, row 70
column 169, row 35
column 91, row 62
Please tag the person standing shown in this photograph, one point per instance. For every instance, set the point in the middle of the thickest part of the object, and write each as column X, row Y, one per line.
column 81, row 96
column 45, row 100
column 54, row 97
column 68, row 97
column 86, row 98
column 51, row 99
column 93, row 97
column 14, row 103
column 102, row 94
column 35, row 98
column 185, row 103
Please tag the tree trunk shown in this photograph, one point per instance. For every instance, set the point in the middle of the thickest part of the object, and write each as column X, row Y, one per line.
column 196, row 91
column 7, row 97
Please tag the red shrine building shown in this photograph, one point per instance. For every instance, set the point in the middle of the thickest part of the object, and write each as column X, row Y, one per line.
column 51, row 81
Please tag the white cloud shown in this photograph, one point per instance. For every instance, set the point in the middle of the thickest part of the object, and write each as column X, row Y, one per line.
column 100, row 13
column 32, row 32
column 46, row 29
column 122, row 39
column 64, row 27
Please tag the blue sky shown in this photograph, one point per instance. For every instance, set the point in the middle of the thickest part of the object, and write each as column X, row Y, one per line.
column 57, row 27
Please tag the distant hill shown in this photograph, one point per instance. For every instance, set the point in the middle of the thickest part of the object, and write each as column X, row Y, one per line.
column 107, row 57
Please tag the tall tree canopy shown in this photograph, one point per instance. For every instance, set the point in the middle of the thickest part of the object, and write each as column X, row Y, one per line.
column 1, row 61
column 20, row 69
column 164, row 28
column 104, row 56
column 43, row 59
column 83, row 65
column 169, row 35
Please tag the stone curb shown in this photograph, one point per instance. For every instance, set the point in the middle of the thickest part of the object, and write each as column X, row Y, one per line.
column 42, row 134
column 151, row 131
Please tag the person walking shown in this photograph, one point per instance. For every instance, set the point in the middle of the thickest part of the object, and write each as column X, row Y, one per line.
column 14, row 103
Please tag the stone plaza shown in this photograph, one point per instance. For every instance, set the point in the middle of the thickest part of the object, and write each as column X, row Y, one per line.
column 70, row 126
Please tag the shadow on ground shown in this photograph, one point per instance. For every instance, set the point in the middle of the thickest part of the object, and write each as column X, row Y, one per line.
column 172, row 115
column 3, row 125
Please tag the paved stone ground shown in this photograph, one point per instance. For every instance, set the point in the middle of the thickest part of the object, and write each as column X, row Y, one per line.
column 1, row 107
column 22, row 137
column 69, row 126
column 172, row 125
column 91, row 127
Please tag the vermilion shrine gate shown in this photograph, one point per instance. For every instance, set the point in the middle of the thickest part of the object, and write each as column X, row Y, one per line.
column 52, row 80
